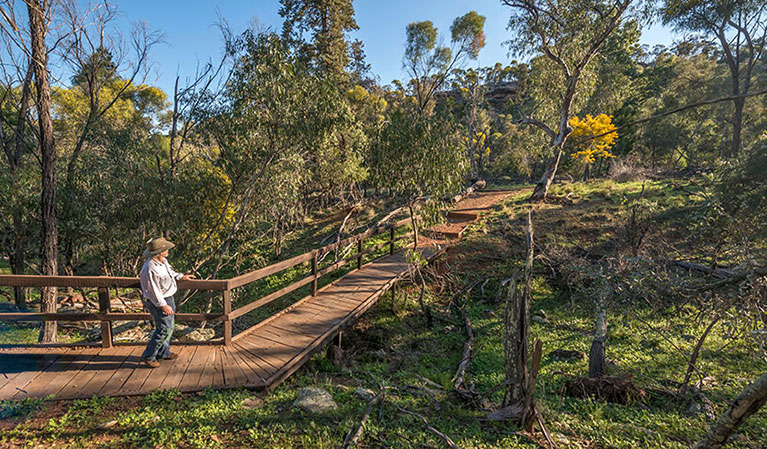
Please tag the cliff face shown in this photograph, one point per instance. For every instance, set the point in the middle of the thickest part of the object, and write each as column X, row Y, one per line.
column 497, row 95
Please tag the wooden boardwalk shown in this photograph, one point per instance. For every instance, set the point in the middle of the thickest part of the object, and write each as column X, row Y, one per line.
column 260, row 359
column 271, row 352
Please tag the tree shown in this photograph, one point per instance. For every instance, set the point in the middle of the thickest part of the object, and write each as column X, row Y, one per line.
column 428, row 62
column 327, row 21
column 39, row 18
column 569, row 35
column 588, row 147
column 740, row 26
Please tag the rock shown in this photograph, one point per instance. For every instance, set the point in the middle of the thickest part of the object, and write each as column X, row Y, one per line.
column 364, row 393
column 314, row 400
column 183, row 332
column 567, row 355
column 108, row 424
column 253, row 403
column 539, row 319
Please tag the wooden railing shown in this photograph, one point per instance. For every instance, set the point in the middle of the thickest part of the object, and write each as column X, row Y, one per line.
column 225, row 286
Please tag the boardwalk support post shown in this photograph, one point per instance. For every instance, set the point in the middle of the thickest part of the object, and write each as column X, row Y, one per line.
column 359, row 251
column 227, row 294
column 314, row 273
column 105, row 306
column 391, row 239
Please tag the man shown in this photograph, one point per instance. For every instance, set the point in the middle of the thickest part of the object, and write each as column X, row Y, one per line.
column 158, row 285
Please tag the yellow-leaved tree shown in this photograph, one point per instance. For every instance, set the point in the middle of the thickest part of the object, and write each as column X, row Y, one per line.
column 593, row 139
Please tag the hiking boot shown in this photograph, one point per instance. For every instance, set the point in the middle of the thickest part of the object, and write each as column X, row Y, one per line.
column 171, row 356
column 150, row 363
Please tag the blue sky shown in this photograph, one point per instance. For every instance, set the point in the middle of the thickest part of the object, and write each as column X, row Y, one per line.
column 191, row 36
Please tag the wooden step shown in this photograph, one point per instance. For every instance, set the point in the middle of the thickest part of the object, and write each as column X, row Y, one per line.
column 462, row 215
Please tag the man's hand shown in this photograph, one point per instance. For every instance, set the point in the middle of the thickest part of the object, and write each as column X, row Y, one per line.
column 167, row 310
column 187, row 277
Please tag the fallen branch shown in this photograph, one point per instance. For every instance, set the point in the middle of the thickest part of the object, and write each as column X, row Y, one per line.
column 719, row 273
column 460, row 374
column 356, row 431
column 431, row 429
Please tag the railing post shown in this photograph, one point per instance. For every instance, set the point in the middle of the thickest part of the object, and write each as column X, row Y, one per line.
column 359, row 251
column 105, row 306
column 227, row 294
column 391, row 239
column 314, row 272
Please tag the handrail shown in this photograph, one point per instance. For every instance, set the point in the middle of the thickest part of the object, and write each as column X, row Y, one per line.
column 32, row 280
column 103, row 283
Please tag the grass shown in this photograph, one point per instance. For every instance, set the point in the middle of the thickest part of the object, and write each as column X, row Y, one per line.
column 391, row 345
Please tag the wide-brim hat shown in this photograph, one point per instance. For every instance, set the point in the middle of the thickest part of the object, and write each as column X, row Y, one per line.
column 156, row 246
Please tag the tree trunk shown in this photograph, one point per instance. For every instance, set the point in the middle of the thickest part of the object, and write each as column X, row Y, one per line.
column 587, row 172
column 597, row 364
column 38, row 31
column 745, row 405
column 737, row 127
column 542, row 188
column 415, row 225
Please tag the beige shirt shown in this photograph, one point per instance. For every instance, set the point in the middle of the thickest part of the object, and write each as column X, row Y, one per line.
column 158, row 281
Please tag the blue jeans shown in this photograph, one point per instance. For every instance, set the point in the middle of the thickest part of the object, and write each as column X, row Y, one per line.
column 159, row 342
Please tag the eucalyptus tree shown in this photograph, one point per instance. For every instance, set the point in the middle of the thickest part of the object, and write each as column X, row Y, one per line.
column 327, row 22
column 567, row 35
column 740, row 27
column 428, row 62
column 40, row 12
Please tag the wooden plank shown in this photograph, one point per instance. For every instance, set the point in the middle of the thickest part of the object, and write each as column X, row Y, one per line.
column 292, row 339
column 215, row 369
column 136, row 379
column 272, row 352
column 194, row 371
column 158, row 375
column 120, row 356
column 113, row 386
column 270, row 297
column 56, row 375
column 326, row 306
column 79, row 385
column 39, row 363
column 286, row 336
column 12, row 365
column 251, row 367
column 233, row 374
column 261, row 273
column 205, row 379
column 180, row 366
